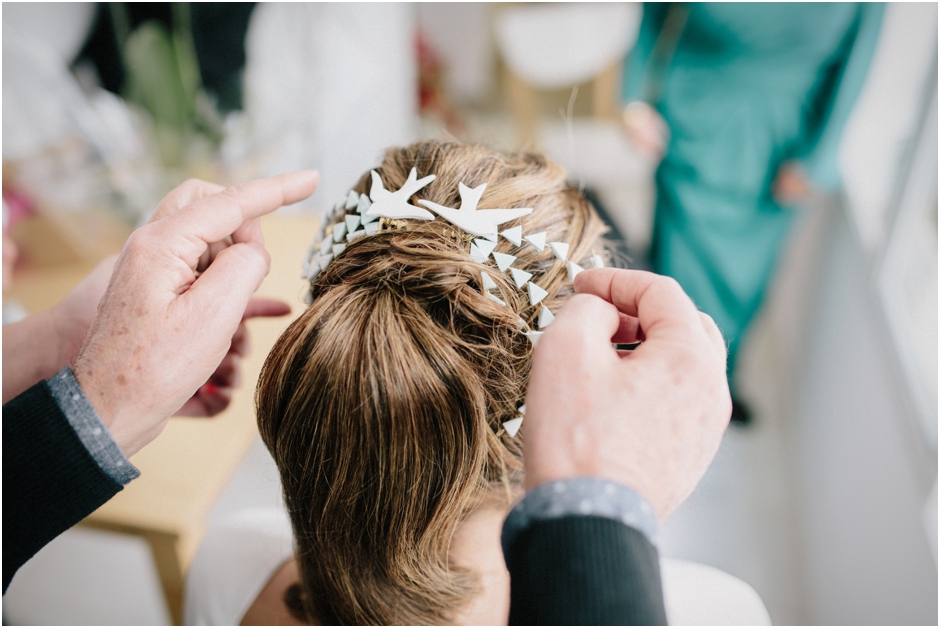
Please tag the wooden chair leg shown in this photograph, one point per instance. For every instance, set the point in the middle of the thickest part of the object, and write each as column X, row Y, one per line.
column 524, row 104
column 604, row 92
column 165, row 549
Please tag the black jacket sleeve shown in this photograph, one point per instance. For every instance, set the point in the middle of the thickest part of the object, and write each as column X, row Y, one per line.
column 584, row 570
column 50, row 481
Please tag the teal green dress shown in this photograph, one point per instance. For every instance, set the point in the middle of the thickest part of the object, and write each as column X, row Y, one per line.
column 748, row 87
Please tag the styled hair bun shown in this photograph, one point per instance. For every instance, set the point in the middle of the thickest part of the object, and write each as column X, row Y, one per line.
column 383, row 404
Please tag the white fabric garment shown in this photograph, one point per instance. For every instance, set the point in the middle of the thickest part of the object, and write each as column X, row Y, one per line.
column 234, row 563
column 238, row 559
column 699, row 595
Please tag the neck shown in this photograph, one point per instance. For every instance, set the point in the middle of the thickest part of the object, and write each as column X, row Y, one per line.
column 476, row 546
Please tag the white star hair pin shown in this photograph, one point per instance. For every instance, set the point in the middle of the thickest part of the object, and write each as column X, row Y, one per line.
column 479, row 222
column 395, row 204
column 355, row 216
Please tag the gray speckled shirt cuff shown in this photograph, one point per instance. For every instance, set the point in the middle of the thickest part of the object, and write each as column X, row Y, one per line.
column 90, row 429
column 581, row 496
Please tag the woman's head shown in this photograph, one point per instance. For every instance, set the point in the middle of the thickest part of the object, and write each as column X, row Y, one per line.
column 383, row 403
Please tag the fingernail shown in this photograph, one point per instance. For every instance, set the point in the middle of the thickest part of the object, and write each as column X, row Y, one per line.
column 210, row 389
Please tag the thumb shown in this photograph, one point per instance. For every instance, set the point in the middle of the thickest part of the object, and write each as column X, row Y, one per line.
column 265, row 307
column 580, row 334
column 584, row 322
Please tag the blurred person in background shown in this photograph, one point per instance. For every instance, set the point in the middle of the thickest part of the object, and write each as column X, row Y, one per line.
column 218, row 37
column 745, row 104
column 222, row 92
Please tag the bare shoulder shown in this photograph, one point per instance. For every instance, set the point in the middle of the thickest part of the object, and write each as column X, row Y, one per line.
column 268, row 608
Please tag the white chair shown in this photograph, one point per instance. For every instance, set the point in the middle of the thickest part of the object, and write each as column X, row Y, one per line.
column 555, row 46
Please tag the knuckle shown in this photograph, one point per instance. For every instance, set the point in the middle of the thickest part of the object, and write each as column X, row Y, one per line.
column 233, row 196
column 263, row 253
column 711, row 327
column 670, row 289
column 575, row 315
column 585, row 305
column 580, row 301
column 725, row 406
column 669, row 283
column 714, row 334
column 248, row 253
column 139, row 241
column 233, row 192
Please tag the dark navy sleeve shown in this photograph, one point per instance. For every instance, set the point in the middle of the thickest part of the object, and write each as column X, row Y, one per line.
column 50, row 480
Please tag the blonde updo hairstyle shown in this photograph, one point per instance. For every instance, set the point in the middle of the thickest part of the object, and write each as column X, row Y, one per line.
column 383, row 403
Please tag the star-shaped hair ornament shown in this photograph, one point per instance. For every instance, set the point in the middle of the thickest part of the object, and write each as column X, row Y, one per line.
column 479, row 222
column 395, row 204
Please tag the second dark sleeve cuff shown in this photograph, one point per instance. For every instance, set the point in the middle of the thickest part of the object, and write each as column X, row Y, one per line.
column 584, row 570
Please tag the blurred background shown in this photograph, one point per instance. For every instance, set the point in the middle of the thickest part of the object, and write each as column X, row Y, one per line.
column 825, row 501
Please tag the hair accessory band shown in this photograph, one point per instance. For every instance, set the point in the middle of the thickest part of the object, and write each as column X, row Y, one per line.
column 357, row 215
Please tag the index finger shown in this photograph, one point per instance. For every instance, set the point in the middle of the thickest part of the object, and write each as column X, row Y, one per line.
column 182, row 195
column 216, row 217
column 657, row 301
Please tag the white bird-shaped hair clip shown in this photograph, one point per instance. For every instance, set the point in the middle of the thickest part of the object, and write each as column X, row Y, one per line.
column 479, row 222
column 395, row 204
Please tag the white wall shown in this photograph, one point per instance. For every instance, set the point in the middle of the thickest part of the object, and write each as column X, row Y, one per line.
column 860, row 482
column 863, row 468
